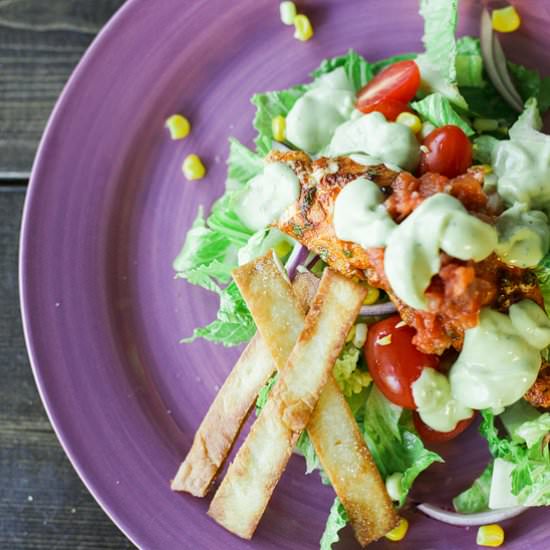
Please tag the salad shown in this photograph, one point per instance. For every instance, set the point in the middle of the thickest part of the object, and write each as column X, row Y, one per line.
column 415, row 181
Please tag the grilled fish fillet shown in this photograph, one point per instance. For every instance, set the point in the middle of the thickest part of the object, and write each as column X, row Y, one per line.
column 455, row 295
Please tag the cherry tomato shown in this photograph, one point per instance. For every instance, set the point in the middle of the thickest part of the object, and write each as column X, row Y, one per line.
column 399, row 82
column 394, row 361
column 429, row 435
column 390, row 108
column 449, row 152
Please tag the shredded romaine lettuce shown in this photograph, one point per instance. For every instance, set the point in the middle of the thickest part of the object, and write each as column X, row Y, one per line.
column 469, row 63
column 393, row 441
column 530, row 457
column 438, row 110
column 337, row 520
column 476, row 498
column 358, row 70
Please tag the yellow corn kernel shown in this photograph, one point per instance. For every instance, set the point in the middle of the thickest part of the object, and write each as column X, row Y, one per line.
column 410, row 120
column 399, row 532
column 506, row 19
column 351, row 334
column 303, row 29
column 178, row 126
column 278, row 128
column 372, row 295
column 282, row 248
column 487, row 168
column 490, row 535
column 288, row 12
column 193, row 168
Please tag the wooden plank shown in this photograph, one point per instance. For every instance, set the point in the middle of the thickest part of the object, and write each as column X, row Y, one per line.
column 43, row 503
column 40, row 44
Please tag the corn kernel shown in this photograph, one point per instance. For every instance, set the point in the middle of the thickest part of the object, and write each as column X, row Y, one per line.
column 487, row 168
column 351, row 335
column 410, row 120
column 490, row 535
column 506, row 19
column 360, row 335
column 399, row 532
column 178, row 126
column 288, row 12
column 303, row 29
column 278, row 128
column 193, row 168
column 372, row 295
column 282, row 248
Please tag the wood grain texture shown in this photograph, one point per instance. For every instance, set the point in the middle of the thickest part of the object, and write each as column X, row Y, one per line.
column 43, row 503
column 41, row 41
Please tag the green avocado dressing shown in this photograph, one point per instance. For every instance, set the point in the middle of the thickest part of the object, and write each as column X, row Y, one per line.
column 413, row 249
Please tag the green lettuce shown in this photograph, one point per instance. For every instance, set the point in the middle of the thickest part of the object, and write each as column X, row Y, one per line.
column 438, row 110
column 476, row 498
column 358, row 70
column 337, row 520
column 530, row 84
column 209, row 254
column 393, row 441
column 438, row 63
column 529, row 453
column 483, row 149
column 268, row 106
column 469, row 62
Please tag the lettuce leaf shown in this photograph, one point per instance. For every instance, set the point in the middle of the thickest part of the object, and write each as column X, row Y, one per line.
column 438, row 110
column 469, row 62
column 358, row 70
column 530, row 457
column 209, row 254
column 268, row 106
column 337, row 520
column 476, row 498
column 393, row 441
column 438, row 63
column 530, row 84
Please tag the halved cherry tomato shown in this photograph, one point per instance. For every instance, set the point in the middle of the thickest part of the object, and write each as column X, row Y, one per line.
column 449, row 152
column 393, row 360
column 390, row 108
column 398, row 82
column 432, row 436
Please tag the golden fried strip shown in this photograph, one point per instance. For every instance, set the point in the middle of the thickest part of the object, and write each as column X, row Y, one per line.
column 221, row 425
column 343, row 453
column 223, row 421
column 245, row 491
column 349, row 465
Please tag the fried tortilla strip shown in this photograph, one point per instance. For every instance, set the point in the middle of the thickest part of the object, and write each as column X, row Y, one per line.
column 223, row 421
column 245, row 491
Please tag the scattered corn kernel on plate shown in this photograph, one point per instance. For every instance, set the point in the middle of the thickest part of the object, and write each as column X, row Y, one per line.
column 131, row 164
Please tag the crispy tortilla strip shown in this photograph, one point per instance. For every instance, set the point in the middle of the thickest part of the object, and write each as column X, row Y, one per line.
column 223, row 421
column 343, row 452
column 243, row 495
column 349, row 465
column 221, row 425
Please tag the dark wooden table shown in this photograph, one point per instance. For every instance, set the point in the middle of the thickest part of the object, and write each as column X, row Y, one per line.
column 43, row 503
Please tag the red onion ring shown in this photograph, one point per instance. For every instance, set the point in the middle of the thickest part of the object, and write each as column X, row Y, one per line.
column 470, row 520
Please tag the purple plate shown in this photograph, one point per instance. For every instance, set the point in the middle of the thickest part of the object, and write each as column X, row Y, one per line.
column 106, row 213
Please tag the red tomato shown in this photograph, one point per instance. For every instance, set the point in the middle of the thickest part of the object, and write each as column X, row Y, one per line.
column 399, row 82
column 449, row 152
column 432, row 436
column 390, row 108
column 394, row 361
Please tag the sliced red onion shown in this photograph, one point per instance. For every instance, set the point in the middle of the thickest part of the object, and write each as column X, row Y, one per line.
column 378, row 309
column 297, row 257
column 470, row 520
column 495, row 63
